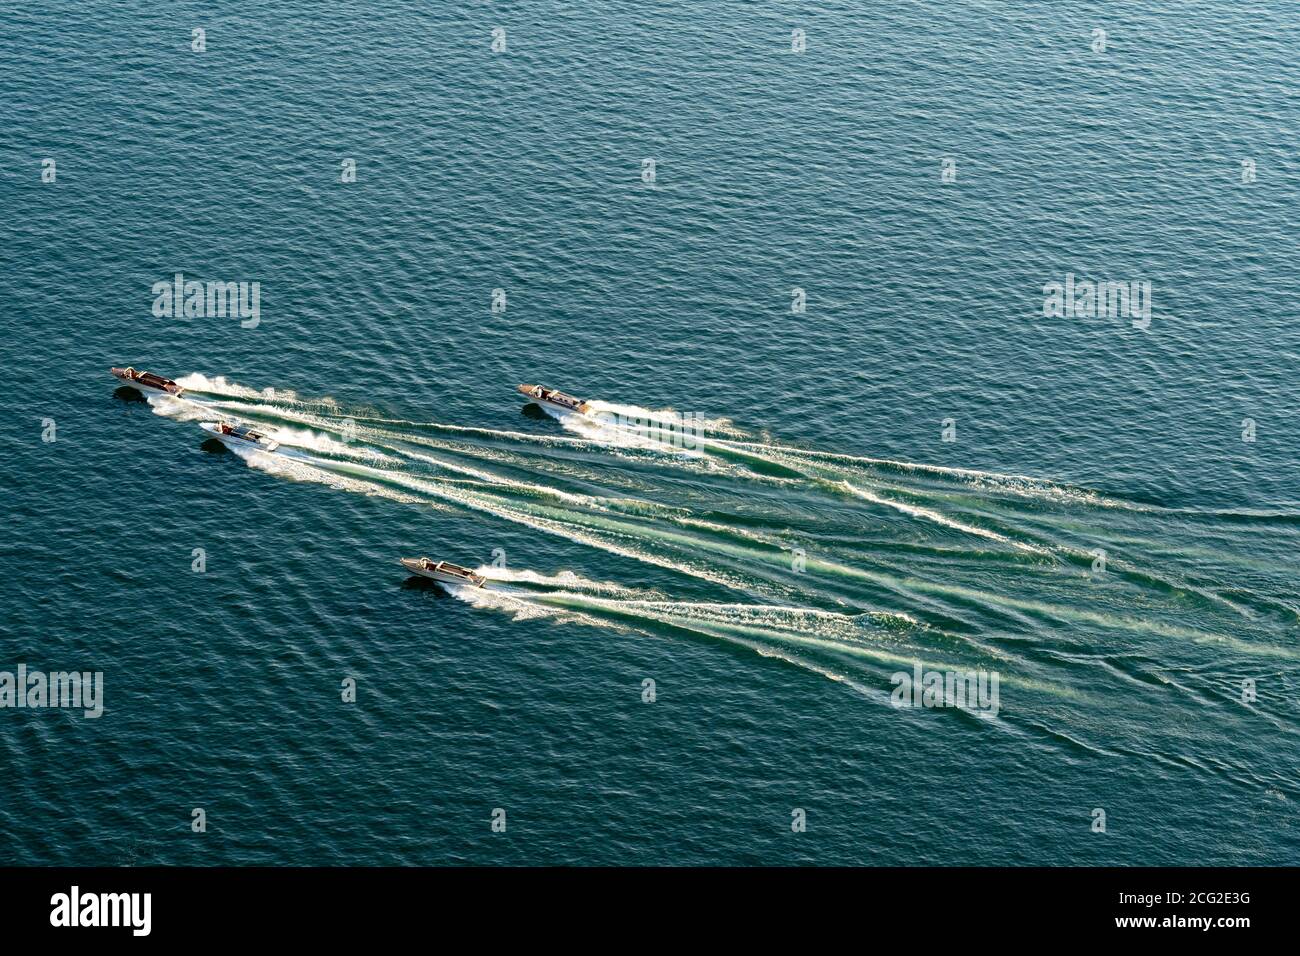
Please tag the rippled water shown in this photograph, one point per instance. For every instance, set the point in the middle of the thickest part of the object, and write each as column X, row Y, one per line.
column 380, row 367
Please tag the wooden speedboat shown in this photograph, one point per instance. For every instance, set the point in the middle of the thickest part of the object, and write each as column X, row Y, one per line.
column 443, row 571
column 237, row 436
column 555, row 398
column 146, row 381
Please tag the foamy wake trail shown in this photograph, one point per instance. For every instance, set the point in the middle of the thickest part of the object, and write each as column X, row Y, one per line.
column 577, row 528
column 597, row 613
column 568, row 530
column 563, row 579
column 667, row 417
column 190, row 409
column 330, row 417
column 220, row 385
column 306, row 438
column 941, row 519
column 603, row 428
column 772, row 630
column 491, row 478
column 180, row 409
column 315, row 441
column 1026, row 486
column 609, row 432
column 298, row 469
column 195, row 406
column 786, row 456
column 325, row 413
column 516, row 605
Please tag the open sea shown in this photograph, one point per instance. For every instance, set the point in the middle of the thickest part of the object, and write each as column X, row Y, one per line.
column 804, row 278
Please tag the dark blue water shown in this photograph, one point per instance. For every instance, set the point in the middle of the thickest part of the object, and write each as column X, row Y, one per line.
column 381, row 368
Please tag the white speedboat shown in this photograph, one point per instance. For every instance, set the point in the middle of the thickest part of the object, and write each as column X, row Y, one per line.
column 555, row 398
column 146, row 381
column 235, row 436
column 443, row 571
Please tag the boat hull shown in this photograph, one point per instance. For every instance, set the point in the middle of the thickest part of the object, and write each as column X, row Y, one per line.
column 580, row 410
column 531, row 392
column 234, row 441
column 415, row 567
column 121, row 376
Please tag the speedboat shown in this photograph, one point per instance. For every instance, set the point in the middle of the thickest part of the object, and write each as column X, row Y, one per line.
column 555, row 398
column 146, row 381
column 236, row 436
column 443, row 571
